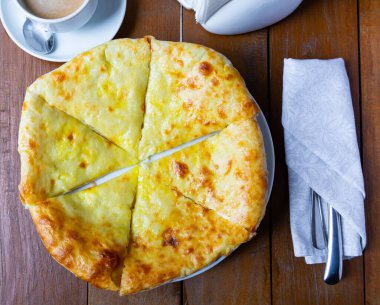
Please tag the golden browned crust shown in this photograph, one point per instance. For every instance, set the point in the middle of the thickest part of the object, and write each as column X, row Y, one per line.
column 105, row 88
column 226, row 173
column 58, row 153
column 81, row 233
column 192, row 91
column 75, row 247
column 191, row 208
column 172, row 237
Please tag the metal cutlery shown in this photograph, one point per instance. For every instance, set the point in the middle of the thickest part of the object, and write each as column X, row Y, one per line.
column 331, row 238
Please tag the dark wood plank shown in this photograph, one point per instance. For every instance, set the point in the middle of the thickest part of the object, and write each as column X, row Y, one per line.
column 28, row 275
column 244, row 277
column 318, row 29
column 370, row 85
column 162, row 20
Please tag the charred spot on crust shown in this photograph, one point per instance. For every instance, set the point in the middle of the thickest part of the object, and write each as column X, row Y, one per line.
column 205, row 179
column 169, row 238
column 229, row 166
column 70, row 137
column 59, row 76
column 109, row 259
column 239, row 175
column 68, row 96
column 158, row 176
column 221, row 113
column 191, row 83
column 46, row 222
column 77, row 68
column 181, row 169
column 248, row 104
column 205, row 171
column 83, row 164
column 72, row 235
column 179, row 61
column 205, row 68
column 63, row 252
column 145, row 268
column 32, row 144
column 229, row 77
column 177, row 193
column 215, row 81
column 108, row 143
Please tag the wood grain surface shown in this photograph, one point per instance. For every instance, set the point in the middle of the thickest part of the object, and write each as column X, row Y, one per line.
column 264, row 271
column 222, row 284
column 370, row 97
column 318, row 29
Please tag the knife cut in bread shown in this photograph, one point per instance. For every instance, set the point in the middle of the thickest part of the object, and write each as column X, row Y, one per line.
column 225, row 173
column 104, row 88
column 192, row 91
column 172, row 236
column 114, row 106
column 59, row 153
column 88, row 232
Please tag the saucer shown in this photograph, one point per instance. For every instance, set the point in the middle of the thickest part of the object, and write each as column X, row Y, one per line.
column 101, row 28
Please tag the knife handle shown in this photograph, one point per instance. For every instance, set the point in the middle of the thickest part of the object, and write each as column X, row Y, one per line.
column 334, row 265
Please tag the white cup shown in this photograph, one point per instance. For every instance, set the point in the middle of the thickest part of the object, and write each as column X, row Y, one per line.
column 69, row 23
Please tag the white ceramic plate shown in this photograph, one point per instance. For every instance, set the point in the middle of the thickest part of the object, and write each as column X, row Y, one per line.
column 101, row 28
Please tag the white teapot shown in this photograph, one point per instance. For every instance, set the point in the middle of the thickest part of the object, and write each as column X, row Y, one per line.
column 240, row 16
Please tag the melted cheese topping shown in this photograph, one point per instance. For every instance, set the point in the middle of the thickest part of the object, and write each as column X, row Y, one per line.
column 192, row 91
column 172, row 237
column 59, row 153
column 88, row 232
column 226, row 173
column 104, row 88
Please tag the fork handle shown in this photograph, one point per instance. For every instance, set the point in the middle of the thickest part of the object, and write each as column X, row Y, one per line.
column 334, row 265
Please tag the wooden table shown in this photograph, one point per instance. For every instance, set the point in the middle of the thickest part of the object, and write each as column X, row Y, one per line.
column 265, row 270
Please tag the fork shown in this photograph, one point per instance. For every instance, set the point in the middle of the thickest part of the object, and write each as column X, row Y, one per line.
column 332, row 240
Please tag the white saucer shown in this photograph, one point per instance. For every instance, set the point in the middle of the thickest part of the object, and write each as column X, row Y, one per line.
column 101, row 28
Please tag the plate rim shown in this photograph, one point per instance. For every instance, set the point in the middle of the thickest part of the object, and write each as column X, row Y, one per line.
column 271, row 165
column 46, row 57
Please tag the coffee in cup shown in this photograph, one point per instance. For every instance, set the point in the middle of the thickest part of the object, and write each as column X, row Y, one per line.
column 52, row 9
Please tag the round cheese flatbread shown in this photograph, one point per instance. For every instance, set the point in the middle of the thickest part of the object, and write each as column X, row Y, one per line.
column 172, row 237
column 120, row 103
column 226, row 173
column 59, row 153
column 192, row 91
column 88, row 232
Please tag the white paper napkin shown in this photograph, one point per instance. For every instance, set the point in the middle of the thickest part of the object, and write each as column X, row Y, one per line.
column 322, row 152
column 204, row 9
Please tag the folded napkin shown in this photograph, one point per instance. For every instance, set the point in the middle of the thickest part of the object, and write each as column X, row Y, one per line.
column 322, row 153
column 204, row 9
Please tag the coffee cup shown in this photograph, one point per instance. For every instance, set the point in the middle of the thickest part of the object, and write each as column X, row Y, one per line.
column 72, row 21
